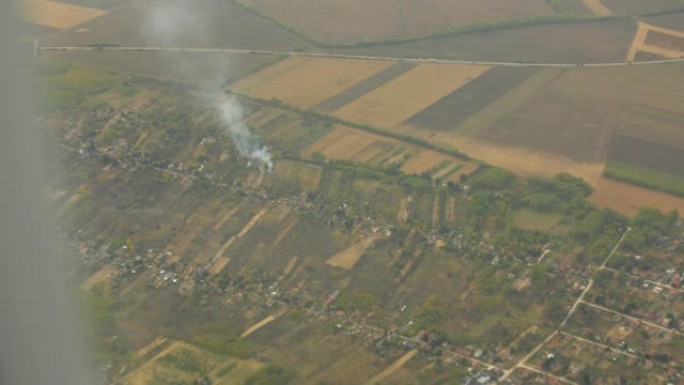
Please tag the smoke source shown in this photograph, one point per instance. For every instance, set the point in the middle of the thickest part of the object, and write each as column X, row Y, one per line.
column 247, row 145
column 180, row 23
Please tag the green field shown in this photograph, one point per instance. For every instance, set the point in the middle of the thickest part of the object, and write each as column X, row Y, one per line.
column 533, row 220
column 66, row 84
column 645, row 177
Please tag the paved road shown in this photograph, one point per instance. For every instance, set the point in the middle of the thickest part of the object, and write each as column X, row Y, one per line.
column 356, row 57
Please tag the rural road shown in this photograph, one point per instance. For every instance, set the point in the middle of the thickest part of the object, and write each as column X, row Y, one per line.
column 355, row 57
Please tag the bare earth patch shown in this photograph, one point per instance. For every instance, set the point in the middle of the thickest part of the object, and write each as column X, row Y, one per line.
column 626, row 199
column 347, row 258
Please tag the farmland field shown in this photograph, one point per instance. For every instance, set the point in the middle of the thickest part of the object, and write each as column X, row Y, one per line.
column 631, row 7
column 351, row 144
column 366, row 86
column 208, row 69
column 626, row 198
column 330, row 22
column 590, row 41
column 306, row 82
column 451, row 110
column 651, row 125
column 667, row 41
column 57, row 14
column 660, row 157
column 645, row 177
column 229, row 26
column 388, row 105
column 532, row 220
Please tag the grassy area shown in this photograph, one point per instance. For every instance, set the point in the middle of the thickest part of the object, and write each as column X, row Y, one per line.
column 645, row 177
column 66, row 84
column 527, row 219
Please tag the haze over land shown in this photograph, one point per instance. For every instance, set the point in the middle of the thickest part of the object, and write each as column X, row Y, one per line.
column 298, row 192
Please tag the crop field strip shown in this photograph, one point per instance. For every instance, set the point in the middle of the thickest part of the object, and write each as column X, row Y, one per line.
column 631, row 7
column 57, row 15
column 359, row 146
column 305, row 82
column 454, row 108
column 657, row 156
column 627, row 198
column 410, row 93
column 597, row 7
column 365, row 87
column 651, row 125
column 666, row 40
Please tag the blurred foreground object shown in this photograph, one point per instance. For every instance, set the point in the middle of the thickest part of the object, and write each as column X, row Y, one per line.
column 38, row 338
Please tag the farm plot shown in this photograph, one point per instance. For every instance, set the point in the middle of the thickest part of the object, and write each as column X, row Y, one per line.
column 564, row 120
column 319, row 355
column 656, row 42
column 652, row 125
column 228, row 25
column 648, row 154
column 348, row 257
column 207, row 69
column 365, row 87
column 451, row 110
column 546, row 124
column 626, row 199
column 403, row 97
column 359, row 146
column 595, row 41
column 293, row 130
column 331, row 22
column 185, row 362
column 56, row 14
column 632, row 7
column 305, row 82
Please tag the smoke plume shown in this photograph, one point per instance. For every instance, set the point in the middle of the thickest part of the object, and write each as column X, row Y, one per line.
column 185, row 23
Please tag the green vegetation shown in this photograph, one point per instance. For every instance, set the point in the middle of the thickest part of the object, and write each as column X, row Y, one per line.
column 493, row 179
column 527, row 219
column 356, row 300
column 185, row 360
column 66, row 84
column 100, row 320
column 272, row 375
column 645, row 177
column 223, row 339
column 647, row 226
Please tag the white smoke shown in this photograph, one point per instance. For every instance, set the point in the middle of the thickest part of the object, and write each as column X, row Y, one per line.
column 247, row 145
column 183, row 23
